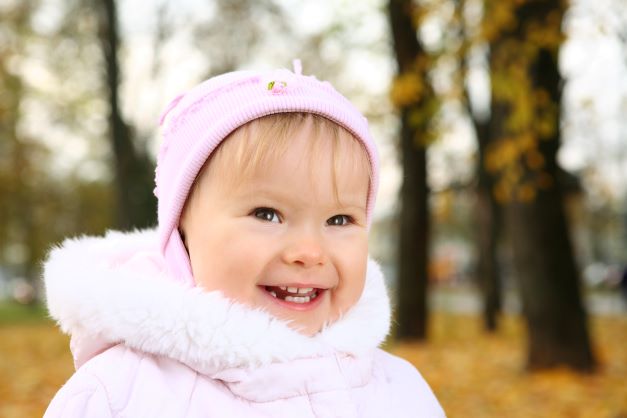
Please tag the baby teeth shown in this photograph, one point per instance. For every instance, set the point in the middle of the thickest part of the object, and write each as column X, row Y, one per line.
column 298, row 299
column 296, row 290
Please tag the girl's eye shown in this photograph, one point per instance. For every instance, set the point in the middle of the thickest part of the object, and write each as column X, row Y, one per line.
column 266, row 214
column 339, row 220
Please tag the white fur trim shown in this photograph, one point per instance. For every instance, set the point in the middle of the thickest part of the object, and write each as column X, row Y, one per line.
column 113, row 290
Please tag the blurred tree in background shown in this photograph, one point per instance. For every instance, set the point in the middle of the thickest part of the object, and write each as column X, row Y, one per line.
column 133, row 168
column 525, row 112
column 488, row 211
column 413, row 95
column 517, row 177
column 38, row 205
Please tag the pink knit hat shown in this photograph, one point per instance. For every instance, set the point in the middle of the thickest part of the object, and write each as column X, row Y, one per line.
column 196, row 122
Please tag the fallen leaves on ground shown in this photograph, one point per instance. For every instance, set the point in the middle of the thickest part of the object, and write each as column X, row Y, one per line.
column 34, row 362
column 472, row 374
column 477, row 375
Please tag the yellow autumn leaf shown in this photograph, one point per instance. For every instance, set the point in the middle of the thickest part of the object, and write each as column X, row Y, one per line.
column 535, row 160
column 526, row 193
column 406, row 89
column 544, row 180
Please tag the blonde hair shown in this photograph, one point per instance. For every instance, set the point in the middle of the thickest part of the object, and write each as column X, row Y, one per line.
column 263, row 141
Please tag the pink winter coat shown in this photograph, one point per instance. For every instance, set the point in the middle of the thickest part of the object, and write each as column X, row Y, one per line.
column 146, row 346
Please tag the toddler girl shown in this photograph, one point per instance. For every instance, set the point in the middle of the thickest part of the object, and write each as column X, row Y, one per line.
column 255, row 296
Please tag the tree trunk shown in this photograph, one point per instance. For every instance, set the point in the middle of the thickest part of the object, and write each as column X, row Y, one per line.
column 414, row 239
column 136, row 206
column 552, row 305
column 489, row 223
column 488, row 213
column 414, row 213
column 526, row 97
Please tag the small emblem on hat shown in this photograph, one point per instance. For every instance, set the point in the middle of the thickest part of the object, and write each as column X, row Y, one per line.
column 277, row 87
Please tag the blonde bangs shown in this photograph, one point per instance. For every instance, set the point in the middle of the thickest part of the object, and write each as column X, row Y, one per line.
column 262, row 142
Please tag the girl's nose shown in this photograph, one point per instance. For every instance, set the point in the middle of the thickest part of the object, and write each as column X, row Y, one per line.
column 305, row 252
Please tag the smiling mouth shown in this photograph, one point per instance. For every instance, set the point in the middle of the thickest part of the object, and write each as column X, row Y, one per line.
column 298, row 295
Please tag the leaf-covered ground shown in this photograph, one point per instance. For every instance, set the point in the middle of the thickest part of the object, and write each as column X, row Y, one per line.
column 34, row 362
column 472, row 374
column 478, row 375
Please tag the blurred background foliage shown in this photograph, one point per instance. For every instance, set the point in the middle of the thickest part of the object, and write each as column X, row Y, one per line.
column 504, row 158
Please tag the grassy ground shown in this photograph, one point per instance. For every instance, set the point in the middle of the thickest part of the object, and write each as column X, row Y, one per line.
column 12, row 313
column 472, row 374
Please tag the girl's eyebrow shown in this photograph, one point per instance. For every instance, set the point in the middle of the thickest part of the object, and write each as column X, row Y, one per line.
column 352, row 207
column 349, row 201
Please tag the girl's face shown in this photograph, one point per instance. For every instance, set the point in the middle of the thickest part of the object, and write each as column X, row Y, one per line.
column 291, row 238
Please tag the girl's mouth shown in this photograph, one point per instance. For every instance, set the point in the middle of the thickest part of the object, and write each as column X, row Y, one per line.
column 294, row 296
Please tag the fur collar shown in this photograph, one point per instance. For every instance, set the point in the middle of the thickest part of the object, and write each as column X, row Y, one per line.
column 113, row 289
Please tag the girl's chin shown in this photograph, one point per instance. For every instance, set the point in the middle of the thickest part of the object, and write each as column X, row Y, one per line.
column 305, row 329
column 304, row 323
column 305, row 318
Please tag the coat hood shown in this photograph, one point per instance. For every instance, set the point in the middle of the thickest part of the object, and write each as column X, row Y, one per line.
column 115, row 289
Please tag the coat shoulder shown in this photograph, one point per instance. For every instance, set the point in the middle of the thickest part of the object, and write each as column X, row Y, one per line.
column 397, row 368
column 83, row 395
column 123, row 382
column 407, row 384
